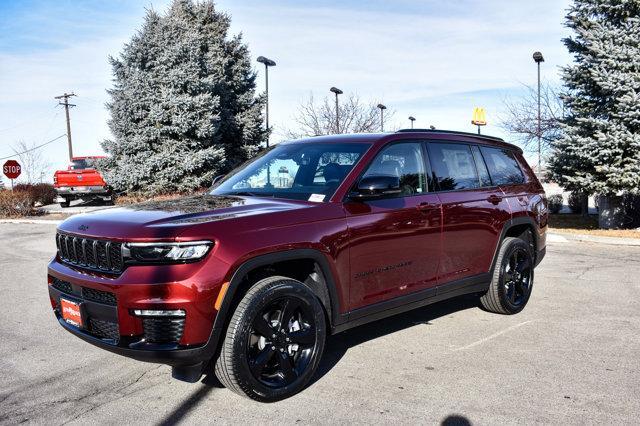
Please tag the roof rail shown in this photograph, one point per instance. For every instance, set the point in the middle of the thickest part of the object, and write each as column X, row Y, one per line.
column 450, row 132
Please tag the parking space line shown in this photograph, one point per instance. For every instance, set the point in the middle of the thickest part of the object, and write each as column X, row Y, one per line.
column 499, row 333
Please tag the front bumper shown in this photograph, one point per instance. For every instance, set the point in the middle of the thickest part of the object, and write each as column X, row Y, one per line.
column 109, row 322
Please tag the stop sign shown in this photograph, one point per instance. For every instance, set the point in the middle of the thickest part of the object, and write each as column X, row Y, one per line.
column 11, row 169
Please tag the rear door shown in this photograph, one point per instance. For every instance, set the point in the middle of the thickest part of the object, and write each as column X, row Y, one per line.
column 395, row 242
column 473, row 210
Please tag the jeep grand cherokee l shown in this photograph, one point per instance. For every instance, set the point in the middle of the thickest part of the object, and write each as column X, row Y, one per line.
column 311, row 237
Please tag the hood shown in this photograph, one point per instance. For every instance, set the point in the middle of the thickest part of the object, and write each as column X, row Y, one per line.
column 167, row 219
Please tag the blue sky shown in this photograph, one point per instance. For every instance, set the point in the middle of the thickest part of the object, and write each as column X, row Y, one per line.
column 432, row 59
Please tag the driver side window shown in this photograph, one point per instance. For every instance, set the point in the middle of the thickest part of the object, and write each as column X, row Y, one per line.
column 405, row 161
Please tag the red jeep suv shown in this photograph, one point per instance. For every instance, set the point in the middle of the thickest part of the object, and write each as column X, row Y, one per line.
column 311, row 237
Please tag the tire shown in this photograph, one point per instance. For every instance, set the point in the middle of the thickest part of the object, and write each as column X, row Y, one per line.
column 64, row 204
column 512, row 279
column 270, row 368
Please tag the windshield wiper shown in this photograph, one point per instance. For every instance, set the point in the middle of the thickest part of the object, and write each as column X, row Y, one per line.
column 243, row 193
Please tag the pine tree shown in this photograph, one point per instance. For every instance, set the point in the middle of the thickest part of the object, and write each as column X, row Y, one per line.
column 183, row 106
column 600, row 150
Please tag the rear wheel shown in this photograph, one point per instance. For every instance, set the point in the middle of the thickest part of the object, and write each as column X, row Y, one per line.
column 512, row 279
column 65, row 203
column 274, row 341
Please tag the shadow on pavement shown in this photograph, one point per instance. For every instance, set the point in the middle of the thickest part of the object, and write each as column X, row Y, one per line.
column 339, row 344
column 190, row 403
column 456, row 420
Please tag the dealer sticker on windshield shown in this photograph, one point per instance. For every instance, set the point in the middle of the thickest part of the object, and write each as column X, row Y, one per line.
column 316, row 198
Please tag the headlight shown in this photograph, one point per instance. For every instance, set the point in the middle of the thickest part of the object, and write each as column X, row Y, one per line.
column 168, row 252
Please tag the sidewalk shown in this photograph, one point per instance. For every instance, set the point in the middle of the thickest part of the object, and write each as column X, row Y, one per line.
column 33, row 220
column 560, row 237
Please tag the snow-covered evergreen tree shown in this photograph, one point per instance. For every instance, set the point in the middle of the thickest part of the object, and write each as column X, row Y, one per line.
column 600, row 150
column 183, row 106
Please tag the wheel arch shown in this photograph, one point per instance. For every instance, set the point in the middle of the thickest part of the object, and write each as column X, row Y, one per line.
column 514, row 228
column 309, row 266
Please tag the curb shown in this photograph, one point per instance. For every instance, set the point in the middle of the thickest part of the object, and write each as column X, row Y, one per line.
column 33, row 221
column 613, row 241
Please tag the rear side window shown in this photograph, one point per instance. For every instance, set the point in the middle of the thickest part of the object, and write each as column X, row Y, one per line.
column 485, row 180
column 453, row 166
column 503, row 167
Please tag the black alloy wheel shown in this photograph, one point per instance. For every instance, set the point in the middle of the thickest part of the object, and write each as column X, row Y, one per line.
column 517, row 277
column 512, row 278
column 281, row 342
column 274, row 341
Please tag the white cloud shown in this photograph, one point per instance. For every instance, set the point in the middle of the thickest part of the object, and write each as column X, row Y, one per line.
column 436, row 62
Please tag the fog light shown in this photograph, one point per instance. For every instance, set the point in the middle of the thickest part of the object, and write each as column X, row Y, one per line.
column 159, row 313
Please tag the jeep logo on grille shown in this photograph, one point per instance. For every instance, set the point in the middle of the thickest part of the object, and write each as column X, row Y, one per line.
column 83, row 227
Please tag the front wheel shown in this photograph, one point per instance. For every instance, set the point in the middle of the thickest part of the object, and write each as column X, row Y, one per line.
column 512, row 279
column 274, row 341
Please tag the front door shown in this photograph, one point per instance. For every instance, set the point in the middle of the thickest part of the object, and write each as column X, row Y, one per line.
column 394, row 242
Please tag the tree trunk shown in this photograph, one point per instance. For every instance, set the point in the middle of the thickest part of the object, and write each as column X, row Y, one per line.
column 584, row 208
column 612, row 213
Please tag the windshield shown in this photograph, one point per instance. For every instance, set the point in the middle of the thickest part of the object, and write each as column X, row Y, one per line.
column 300, row 171
column 81, row 164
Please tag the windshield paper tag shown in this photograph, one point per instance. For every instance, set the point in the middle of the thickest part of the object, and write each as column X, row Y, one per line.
column 316, row 198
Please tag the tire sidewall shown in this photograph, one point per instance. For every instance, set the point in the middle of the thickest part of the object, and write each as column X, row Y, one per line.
column 260, row 300
column 507, row 250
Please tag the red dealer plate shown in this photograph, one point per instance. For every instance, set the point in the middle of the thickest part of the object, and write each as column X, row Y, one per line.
column 71, row 312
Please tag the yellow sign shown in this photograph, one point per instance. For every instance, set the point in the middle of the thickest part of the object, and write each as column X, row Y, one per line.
column 479, row 117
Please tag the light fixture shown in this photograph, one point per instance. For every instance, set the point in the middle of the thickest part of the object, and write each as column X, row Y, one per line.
column 159, row 313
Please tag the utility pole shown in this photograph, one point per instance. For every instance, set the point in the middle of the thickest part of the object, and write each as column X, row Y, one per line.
column 67, row 105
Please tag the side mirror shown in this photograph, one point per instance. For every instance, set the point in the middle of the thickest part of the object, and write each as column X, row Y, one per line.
column 372, row 187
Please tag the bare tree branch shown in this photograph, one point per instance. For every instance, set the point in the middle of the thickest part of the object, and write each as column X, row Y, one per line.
column 521, row 117
column 356, row 116
column 34, row 165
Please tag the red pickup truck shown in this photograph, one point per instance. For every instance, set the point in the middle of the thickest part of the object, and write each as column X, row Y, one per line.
column 81, row 180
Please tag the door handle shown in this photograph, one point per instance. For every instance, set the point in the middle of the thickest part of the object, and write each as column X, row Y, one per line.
column 494, row 199
column 424, row 207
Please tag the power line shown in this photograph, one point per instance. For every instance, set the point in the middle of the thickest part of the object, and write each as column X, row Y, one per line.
column 35, row 147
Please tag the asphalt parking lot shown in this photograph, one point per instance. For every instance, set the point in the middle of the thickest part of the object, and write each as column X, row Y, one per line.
column 571, row 357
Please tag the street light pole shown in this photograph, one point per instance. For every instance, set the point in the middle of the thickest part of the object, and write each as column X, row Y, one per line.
column 382, row 108
column 267, row 63
column 538, row 58
column 337, row 92
column 412, row 119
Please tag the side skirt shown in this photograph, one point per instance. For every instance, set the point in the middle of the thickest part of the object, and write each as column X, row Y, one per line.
column 476, row 284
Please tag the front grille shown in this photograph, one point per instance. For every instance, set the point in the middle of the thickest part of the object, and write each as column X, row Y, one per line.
column 104, row 329
column 98, row 255
column 163, row 330
column 62, row 286
column 99, row 296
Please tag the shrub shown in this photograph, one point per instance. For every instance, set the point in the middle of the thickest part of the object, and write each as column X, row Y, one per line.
column 555, row 202
column 43, row 193
column 575, row 202
column 16, row 203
